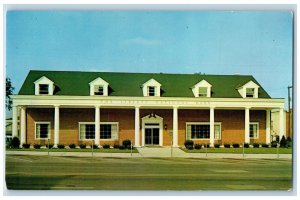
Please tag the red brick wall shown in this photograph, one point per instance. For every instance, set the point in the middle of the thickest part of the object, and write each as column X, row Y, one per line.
column 232, row 123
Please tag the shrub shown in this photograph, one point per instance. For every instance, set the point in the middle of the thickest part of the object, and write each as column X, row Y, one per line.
column 72, row 146
column 37, row 146
column 289, row 139
column 236, row 145
column 126, row 143
column 265, row 145
column 277, row 138
column 122, row 147
column 116, row 146
column 82, row 146
column 50, row 146
column 283, row 142
column 198, row 146
column 246, row 145
column 227, row 145
column 95, row 146
column 26, row 146
column 274, row 144
column 217, row 145
column 255, row 145
column 15, row 143
column 106, row 146
column 61, row 146
column 189, row 144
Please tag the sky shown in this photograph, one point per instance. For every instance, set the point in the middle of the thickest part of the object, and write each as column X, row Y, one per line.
column 257, row 43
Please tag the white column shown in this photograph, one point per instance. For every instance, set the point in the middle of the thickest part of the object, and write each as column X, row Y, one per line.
column 268, row 127
column 247, row 128
column 212, row 127
column 56, row 126
column 281, row 123
column 97, row 125
column 175, row 126
column 23, row 126
column 15, row 122
column 137, row 127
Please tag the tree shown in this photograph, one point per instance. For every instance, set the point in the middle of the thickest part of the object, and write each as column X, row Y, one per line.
column 9, row 91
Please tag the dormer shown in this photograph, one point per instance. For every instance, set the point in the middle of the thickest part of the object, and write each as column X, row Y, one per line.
column 202, row 89
column 151, row 88
column 99, row 87
column 44, row 86
column 249, row 90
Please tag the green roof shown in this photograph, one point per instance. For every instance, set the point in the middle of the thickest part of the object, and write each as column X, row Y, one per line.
column 130, row 84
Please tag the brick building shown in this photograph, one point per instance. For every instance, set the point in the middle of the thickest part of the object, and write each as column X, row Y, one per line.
column 149, row 109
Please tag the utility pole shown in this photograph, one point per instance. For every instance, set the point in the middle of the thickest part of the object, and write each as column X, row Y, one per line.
column 289, row 109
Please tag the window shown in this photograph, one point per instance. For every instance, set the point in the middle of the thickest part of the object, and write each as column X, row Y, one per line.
column 249, row 92
column 151, row 91
column 43, row 89
column 98, row 90
column 42, row 130
column 253, row 130
column 108, row 130
column 202, row 131
column 202, row 92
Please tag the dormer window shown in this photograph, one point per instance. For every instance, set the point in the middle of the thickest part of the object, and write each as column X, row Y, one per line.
column 249, row 90
column 202, row 89
column 99, row 87
column 44, row 86
column 151, row 91
column 151, row 88
column 98, row 90
column 43, row 89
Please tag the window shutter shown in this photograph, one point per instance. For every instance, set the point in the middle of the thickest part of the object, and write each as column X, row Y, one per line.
column 82, row 131
column 189, row 132
column 38, row 130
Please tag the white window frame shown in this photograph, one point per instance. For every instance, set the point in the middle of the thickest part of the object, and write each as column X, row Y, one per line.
column 243, row 89
column 202, row 94
column 49, row 130
column 151, row 83
column 99, row 82
column 254, row 123
column 44, row 81
column 202, row 84
column 148, row 91
column 202, row 123
column 253, row 95
column 101, row 123
column 103, row 88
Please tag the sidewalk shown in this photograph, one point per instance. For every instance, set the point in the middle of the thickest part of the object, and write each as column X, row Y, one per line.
column 163, row 152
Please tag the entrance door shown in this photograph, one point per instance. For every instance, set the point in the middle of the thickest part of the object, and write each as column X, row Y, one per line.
column 151, row 136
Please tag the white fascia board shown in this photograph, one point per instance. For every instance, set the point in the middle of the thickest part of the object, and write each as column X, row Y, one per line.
column 88, row 101
column 152, row 82
column 43, row 80
column 99, row 81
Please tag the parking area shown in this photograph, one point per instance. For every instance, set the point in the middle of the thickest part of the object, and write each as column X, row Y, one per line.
column 97, row 173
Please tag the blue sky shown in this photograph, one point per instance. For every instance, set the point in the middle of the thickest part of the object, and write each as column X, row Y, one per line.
column 255, row 43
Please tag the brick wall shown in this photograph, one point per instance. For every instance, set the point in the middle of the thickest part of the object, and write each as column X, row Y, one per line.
column 232, row 123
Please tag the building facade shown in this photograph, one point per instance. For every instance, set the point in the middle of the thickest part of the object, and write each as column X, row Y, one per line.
column 149, row 109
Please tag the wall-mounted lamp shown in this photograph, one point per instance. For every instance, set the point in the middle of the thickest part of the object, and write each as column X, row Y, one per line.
column 152, row 115
column 165, row 126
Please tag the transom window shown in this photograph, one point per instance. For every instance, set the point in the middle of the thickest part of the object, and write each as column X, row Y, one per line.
column 202, row 131
column 253, row 130
column 42, row 130
column 202, row 91
column 43, row 89
column 249, row 92
column 151, row 91
column 108, row 130
column 98, row 90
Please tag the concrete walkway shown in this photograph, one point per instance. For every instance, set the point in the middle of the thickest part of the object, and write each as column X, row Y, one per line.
column 152, row 152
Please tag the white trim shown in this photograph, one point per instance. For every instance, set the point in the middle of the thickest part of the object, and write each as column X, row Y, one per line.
column 158, row 120
column 203, row 123
column 49, row 130
column 118, row 131
column 151, row 83
column 250, row 84
column 251, row 123
column 158, row 102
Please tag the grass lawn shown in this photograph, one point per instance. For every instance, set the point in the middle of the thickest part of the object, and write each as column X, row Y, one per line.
column 79, row 150
column 86, row 173
column 240, row 150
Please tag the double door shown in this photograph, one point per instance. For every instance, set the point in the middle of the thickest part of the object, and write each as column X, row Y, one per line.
column 151, row 136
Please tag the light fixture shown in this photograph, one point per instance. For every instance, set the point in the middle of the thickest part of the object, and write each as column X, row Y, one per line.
column 166, row 126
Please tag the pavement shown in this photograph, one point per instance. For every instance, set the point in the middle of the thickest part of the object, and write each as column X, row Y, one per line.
column 154, row 152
